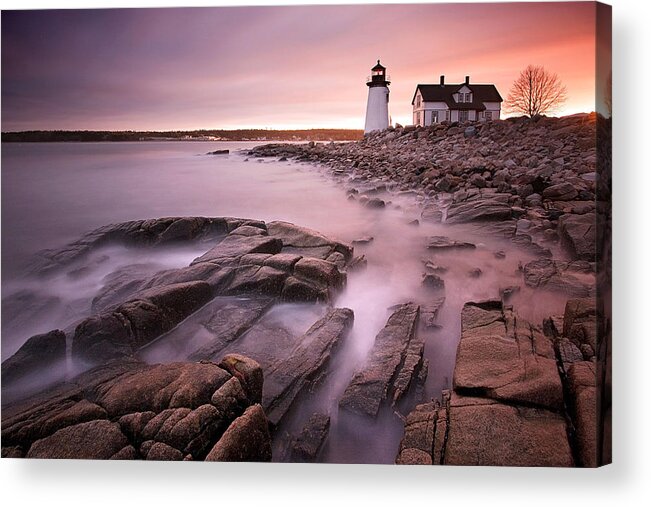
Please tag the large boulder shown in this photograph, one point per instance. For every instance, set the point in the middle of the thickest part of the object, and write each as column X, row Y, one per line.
column 246, row 439
column 99, row 439
column 40, row 352
column 156, row 388
column 319, row 272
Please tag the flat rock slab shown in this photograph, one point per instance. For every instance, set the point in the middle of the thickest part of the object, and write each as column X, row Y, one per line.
column 418, row 441
column 503, row 357
column 429, row 312
column 489, row 207
column 304, row 239
column 150, row 232
column 579, row 234
column 306, row 447
column 576, row 279
column 525, row 242
column 445, row 243
column 484, row 432
column 236, row 245
column 268, row 341
column 208, row 331
column 390, row 359
column 307, row 364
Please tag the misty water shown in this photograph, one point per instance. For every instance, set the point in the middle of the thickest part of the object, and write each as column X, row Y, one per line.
column 53, row 193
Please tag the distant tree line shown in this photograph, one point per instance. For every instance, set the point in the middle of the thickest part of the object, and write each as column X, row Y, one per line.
column 44, row 136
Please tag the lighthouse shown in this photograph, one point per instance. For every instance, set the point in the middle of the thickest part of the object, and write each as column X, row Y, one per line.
column 377, row 107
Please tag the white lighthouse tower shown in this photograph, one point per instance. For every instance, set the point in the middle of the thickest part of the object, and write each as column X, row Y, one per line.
column 377, row 107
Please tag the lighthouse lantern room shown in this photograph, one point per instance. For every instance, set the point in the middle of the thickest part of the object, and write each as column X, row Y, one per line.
column 377, row 107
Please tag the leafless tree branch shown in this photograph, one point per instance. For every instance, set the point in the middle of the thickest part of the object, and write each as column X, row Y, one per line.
column 536, row 92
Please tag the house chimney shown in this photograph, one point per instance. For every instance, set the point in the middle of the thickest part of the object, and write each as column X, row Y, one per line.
column 467, row 79
column 442, row 80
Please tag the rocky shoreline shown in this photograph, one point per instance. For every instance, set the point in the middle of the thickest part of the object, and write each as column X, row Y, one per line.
column 531, row 181
column 520, row 397
column 189, row 364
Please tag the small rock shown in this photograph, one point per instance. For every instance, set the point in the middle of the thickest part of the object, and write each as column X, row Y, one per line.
column 470, row 131
column 443, row 242
column 561, row 192
column 358, row 262
column 363, row 240
column 375, row 202
column 507, row 292
column 432, row 281
column 475, row 273
column 435, row 268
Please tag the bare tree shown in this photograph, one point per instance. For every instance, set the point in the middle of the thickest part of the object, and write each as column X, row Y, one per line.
column 536, row 92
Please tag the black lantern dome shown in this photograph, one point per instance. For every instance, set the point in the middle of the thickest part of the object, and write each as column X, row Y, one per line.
column 378, row 76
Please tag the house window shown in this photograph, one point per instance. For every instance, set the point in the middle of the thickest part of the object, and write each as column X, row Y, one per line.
column 447, row 115
column 435, row 116
column 463, row 115
column 460, row 97
column 488, row 115
column 418, row 101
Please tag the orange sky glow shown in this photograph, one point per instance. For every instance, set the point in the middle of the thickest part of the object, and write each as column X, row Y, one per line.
column 275, row 67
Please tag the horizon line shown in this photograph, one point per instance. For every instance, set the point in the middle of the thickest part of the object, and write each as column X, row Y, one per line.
column 267, row 129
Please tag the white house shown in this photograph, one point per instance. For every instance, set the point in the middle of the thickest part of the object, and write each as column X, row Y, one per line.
column 434, row 103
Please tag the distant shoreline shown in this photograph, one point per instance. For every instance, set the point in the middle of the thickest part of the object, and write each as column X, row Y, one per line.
column 50, row 136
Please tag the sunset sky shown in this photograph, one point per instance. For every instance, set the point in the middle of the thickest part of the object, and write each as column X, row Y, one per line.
column 273, row 67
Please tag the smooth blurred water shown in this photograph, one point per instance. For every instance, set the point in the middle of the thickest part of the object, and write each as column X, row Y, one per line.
column 53, row 193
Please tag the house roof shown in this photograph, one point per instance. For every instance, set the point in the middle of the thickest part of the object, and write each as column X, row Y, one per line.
column 480, row 93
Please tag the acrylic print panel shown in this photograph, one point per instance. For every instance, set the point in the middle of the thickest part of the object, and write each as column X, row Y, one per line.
column 222, row 242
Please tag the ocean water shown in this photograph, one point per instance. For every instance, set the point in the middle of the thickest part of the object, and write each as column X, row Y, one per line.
column 53, row 193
